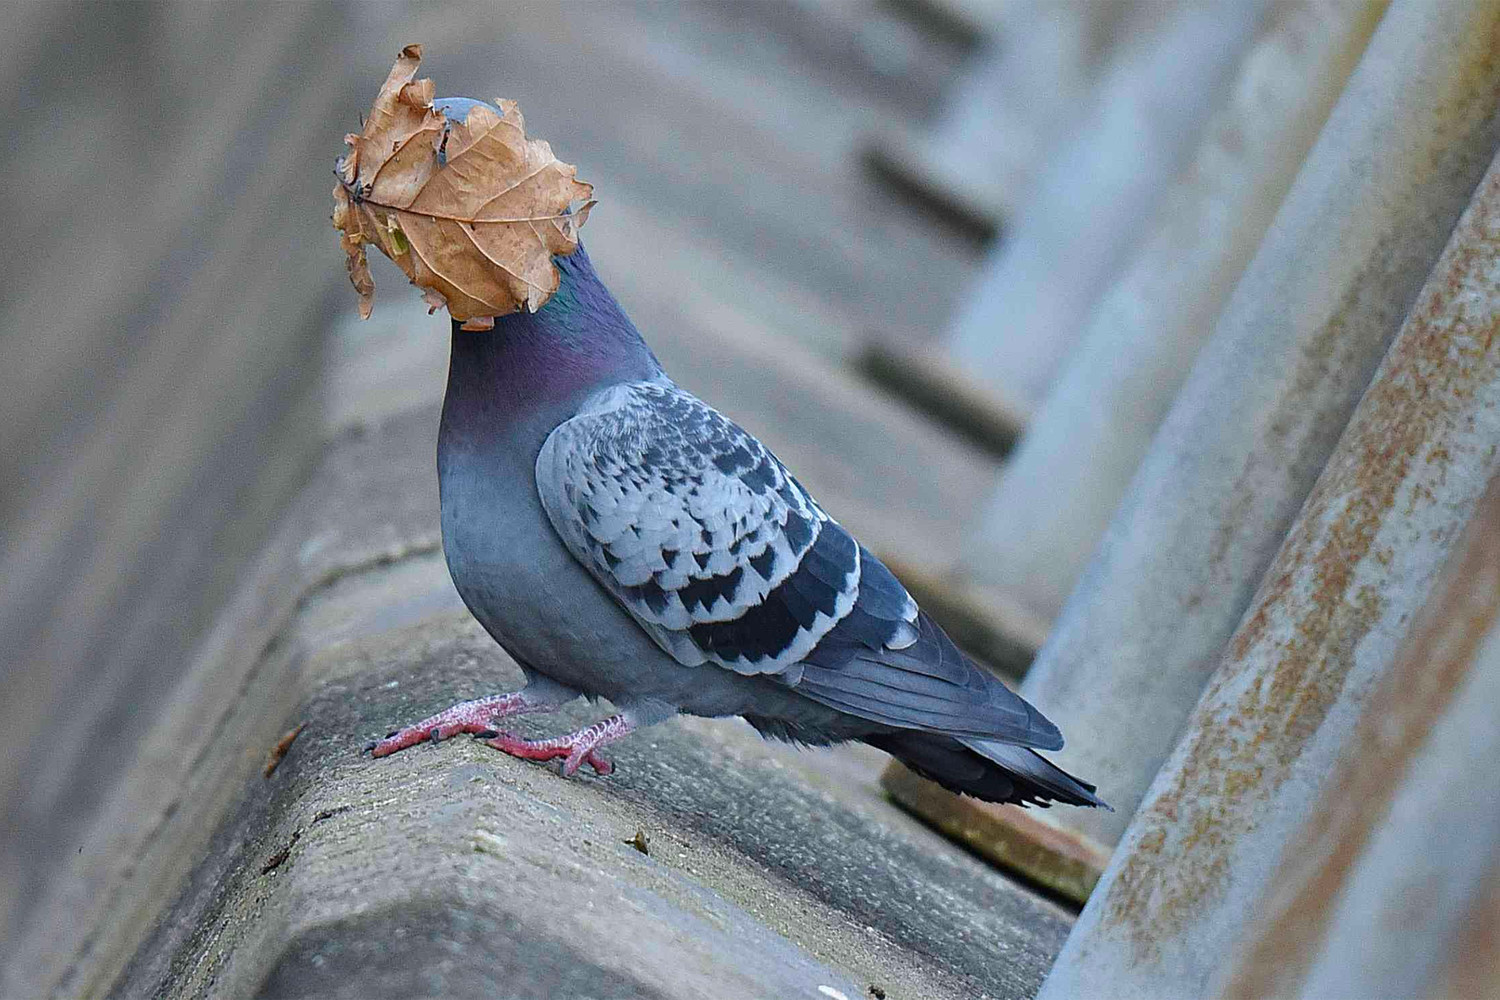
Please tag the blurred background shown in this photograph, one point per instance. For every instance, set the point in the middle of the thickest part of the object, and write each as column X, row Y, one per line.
column 954, row 260
column 179, row 338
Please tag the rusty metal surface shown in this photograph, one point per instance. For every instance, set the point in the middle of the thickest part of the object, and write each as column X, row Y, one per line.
column 1396, row 753
column 1471, row 968
column 1236, row 456
column 1323, row 630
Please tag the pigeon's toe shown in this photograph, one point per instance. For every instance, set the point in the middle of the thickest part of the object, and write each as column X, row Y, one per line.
column 576, row 756
column 477, row 716
column 577, row 748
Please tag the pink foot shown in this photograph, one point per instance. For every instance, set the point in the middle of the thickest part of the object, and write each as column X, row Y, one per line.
column 579, row 748
column 477, row 716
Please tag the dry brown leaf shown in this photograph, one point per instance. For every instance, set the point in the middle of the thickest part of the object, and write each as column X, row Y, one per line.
column 472, row 211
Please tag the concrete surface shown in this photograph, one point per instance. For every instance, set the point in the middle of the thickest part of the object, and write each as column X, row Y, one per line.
column 163, row 300
column 772, row 872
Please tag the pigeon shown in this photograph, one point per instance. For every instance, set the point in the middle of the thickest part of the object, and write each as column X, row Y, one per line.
column 622, row 539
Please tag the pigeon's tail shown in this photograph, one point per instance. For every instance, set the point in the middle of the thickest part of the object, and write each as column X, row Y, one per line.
column 994, row 772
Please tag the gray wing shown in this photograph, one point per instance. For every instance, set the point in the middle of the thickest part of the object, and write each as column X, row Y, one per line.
column 722, row 556
column 696, row 528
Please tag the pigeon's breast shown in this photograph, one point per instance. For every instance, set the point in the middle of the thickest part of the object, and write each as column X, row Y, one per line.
column 539, row 603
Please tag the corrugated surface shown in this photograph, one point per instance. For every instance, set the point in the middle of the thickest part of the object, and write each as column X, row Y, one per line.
column 1091, row 203
column 163, row 294
column 1420, row 760
column 1060, row 487
column 1235, row 458
column 1324, row 627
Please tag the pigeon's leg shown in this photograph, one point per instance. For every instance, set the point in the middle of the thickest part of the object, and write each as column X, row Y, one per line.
column 477, row 716
column 579, row 748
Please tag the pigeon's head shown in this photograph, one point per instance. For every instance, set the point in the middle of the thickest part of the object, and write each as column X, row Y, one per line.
column 456, row 109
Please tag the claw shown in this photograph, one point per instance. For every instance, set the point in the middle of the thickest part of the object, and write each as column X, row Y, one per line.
column 576, row 760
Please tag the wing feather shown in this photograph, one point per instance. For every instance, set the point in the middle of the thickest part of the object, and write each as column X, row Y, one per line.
column 713, row 547
column 697, row 529
column 928, row 684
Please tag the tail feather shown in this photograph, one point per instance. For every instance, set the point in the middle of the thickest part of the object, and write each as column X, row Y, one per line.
column 1037, row 771
column 987, row 770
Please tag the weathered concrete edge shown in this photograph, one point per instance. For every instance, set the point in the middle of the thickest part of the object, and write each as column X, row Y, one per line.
column 827, row 886
column 146, row 839
column 441, row 833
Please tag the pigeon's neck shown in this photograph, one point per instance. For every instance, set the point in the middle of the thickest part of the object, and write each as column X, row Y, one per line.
column 533, row 369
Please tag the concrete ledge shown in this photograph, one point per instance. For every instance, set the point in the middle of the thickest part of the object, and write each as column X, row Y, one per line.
column 755, row 884
column 932, row 384
column 899, row 157
column 451, row 870
column 370, row 503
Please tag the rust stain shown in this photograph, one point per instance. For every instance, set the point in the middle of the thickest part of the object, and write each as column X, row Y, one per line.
column 1431, row 666
column 1331, row 368
column 1473, row 962
column 1286, row 666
